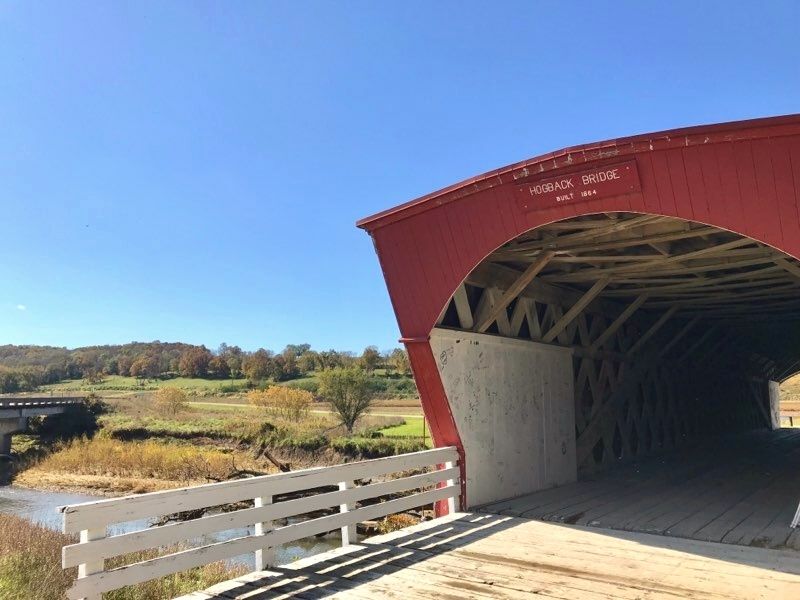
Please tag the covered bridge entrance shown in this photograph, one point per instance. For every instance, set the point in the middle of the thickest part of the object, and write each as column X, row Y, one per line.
column 601, row 331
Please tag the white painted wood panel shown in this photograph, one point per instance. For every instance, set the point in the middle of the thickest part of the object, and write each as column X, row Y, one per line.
column 94, row 547
column 78, row 517
column 512, row 401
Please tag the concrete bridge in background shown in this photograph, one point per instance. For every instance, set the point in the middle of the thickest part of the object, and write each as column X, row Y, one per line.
column 14, row 413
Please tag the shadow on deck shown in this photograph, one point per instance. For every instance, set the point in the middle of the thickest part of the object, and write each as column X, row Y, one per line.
column 494, row 556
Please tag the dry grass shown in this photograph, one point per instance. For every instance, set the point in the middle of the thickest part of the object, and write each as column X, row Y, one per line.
column 30, row 568
column 109, row 465
column 397, row 522
column 30, row 561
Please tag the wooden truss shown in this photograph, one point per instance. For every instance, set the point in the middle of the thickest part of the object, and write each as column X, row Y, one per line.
column 641, row 300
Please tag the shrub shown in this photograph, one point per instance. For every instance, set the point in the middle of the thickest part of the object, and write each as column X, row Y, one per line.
column 282, row 401
column 309, row 385
column 396, row 522
column 349, row 393
column 358, row 447
column 232, row 388
column 170, row 401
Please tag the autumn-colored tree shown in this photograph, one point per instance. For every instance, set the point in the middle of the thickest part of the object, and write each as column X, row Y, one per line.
column 233, row 356
column 296, row 349
column 145, row 367
column 308, row 361
column 289, row 367
column 349, row 393
column 282, row 401
column 124, row 363
column 93, row 376
column 219, row 367
column 370, row 359
column 194, row 362
column 398, row 359
column 170, row 401
column 259, row 365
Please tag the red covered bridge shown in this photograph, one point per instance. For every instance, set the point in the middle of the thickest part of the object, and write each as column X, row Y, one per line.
column 603, row 303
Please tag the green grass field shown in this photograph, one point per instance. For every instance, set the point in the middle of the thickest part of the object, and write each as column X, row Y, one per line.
column 413, row 427
column 132, row 384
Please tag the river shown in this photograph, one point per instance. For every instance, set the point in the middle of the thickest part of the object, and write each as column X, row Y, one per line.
column 40, row 507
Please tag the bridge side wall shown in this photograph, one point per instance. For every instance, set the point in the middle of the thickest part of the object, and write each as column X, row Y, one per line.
column 512, row 402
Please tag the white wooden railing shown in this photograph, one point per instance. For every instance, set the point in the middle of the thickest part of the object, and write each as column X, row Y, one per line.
column 92, row 519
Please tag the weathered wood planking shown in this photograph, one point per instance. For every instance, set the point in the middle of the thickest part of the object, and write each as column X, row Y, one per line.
column 738, row 489
column 486, row 556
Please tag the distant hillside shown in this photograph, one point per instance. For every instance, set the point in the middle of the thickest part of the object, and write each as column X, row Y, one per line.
column 24, row 368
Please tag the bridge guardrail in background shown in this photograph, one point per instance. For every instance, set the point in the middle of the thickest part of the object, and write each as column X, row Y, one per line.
column 34, row 402
column 91, row 519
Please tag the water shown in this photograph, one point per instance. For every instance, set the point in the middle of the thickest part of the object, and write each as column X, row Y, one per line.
column 40, row 507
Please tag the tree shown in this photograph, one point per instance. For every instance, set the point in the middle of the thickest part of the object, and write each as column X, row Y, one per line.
column 194, row 362
column 145, row 367
column 258, row 365
column 348, row 392
column 370, row 359
column 398, row 359
column 296, row 349
column 289, row 366
column 124, row 364
column 170, row 401
column 282, row 401
column 308, row 361
column 219, row 367
column 233, row 356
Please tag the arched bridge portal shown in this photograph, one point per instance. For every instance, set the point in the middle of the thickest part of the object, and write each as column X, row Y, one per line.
column 601, row 303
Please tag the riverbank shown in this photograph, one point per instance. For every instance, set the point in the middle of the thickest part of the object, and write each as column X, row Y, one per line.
column 110, row 466
column 138, row 449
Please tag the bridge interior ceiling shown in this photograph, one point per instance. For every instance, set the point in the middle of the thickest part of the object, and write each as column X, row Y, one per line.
column 676, row 327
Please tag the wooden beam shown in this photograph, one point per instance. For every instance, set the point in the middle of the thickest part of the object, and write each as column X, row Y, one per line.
column 609, row 227
column 758, row 277
column 647, row 267
column 489, row 299
column 788, row 267
column 778, row 291
column 697, row 343
column 653, row 329
column 606, row 416
column 518, row 254
column 677, row 337
column 618, row 322
column 514, row 290
column 576, row 309
column 462, row 308
column 493, row 275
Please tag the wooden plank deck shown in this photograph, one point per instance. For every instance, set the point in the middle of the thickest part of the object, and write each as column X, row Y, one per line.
column 740, row 489
column 471, row 555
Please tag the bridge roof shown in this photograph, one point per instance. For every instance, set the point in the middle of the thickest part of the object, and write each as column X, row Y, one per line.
column 749, row 129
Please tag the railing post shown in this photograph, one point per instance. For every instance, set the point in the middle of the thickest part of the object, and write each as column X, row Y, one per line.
column 97, row 566
column 265, row 557
column 451, row 501
column 348, row 531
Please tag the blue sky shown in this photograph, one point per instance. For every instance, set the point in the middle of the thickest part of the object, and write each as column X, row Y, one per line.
column 193, row 170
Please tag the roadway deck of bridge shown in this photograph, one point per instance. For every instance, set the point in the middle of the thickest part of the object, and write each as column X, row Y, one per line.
column 738, row 489
column 472, row 555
